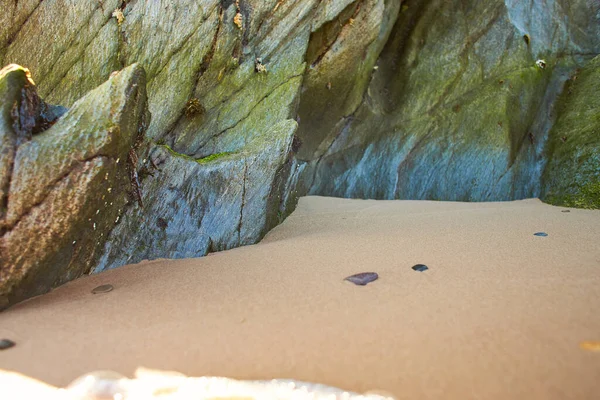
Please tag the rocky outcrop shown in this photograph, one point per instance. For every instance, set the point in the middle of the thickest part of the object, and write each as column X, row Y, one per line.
column 65, row 186
column 207, row 204
column 572, row 176
column 456, row 107
column 257, row 102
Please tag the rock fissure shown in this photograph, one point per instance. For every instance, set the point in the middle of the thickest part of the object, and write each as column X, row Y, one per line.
column 206, row 60
column 81, row 59
column 185, row 42
column 67, row 47
column 263, row 34
column 258, row 103
column 203, row 67
column 14, row 35
column 470, row 41
column 354, row 8
column 243, row 203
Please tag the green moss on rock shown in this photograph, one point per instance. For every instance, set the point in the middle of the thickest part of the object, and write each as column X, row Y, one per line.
column 588, row 196
column 203, row 160
column 213, row 157
column 572, row 175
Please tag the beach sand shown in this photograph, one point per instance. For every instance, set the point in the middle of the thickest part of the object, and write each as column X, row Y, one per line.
column 499, row 314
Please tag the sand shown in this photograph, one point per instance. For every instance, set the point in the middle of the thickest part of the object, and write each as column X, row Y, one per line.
column 499, row 314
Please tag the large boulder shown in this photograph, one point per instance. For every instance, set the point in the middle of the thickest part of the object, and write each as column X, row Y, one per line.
column 66, row 185
column 196, row 206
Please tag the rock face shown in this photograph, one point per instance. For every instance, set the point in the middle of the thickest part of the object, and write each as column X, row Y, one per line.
column 457, row 108
column 256, row 102
column 572, row 176
column 226, row 200
column 65, row 186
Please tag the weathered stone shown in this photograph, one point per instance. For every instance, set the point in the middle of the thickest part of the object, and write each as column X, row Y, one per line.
column 457, row 108
column 226, row 200
column 415, row 99
column 572, row 176
column 22, row 114
column 12, row 80
column 68, row 184
column 341, row 55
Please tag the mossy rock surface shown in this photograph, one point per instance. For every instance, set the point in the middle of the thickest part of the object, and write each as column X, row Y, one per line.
column 196, row 206
column 67, row 184
column 456, row 107
column 572, row 176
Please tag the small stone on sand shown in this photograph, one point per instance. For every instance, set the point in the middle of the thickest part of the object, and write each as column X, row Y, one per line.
column 363, row 278
column 420, row 267
column 6, row 344
column 102, row 289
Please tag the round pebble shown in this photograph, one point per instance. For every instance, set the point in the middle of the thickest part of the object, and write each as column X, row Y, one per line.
column 542, row 234
column 6, row 344
column 420, row 267
column 102, row 289
column 363, row 278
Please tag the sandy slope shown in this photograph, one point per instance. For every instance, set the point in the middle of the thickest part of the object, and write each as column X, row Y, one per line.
column 500, row 314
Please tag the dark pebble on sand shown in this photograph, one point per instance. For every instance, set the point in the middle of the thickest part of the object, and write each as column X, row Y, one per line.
column 543, row 234
column 102, row 289
column 363, row 278
column 420, row 267
column 6, row 344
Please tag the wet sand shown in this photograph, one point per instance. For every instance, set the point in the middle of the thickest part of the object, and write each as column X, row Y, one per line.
column 499, row 314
